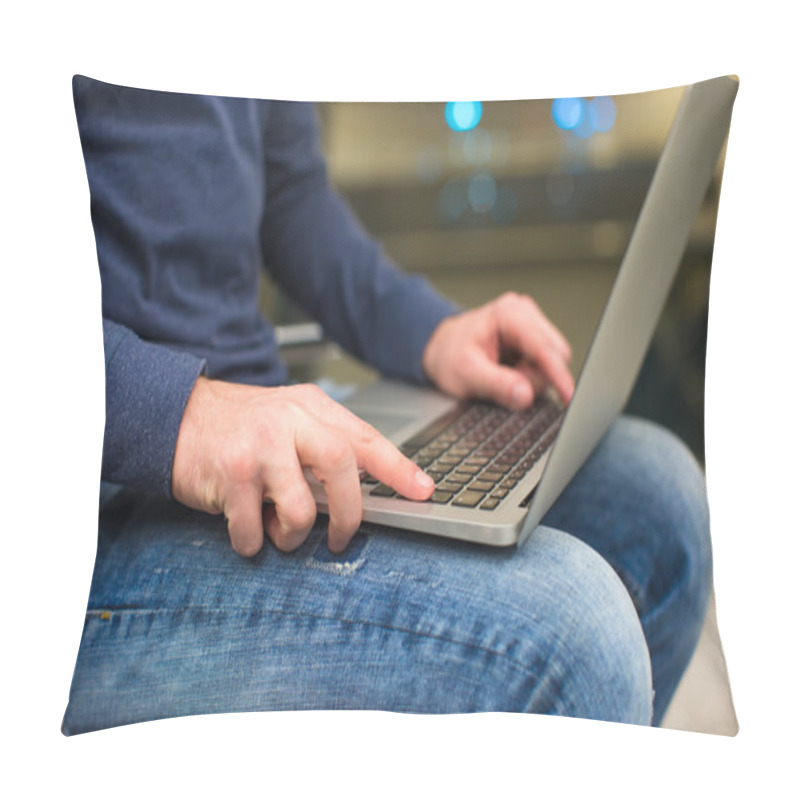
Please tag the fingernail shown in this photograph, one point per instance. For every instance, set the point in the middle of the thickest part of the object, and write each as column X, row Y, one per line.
column 423, row 479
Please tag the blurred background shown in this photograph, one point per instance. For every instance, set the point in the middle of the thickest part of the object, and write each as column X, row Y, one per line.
column 538, row 197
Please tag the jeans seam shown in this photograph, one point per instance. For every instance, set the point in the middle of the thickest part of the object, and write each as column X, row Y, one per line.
column 98, row 612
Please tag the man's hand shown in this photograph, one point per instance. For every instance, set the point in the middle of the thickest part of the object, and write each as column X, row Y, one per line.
column 239, row 446
column 504, row 351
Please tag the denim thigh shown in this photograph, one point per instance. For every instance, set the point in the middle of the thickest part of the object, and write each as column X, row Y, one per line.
column 179, row 624
column 640, row 501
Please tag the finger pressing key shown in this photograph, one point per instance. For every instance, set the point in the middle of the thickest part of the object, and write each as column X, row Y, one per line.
column 381, row 459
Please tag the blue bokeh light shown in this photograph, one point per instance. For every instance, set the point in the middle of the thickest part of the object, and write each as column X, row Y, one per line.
column 584, row 118
column 481, row 192
column 569, row 112
column 463, row 116
column 602, row 114
column 584, row 129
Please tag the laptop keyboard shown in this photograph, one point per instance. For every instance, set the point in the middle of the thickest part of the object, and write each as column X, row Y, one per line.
column 477, row 453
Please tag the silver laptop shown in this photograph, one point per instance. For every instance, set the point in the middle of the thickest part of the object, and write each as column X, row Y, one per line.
column 499, row 472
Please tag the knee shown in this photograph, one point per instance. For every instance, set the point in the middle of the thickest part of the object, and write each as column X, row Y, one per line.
column 596, row 663
column 663, row 490
column 661, row 468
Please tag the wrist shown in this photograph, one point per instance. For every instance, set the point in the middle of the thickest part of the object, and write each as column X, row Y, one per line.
column 431, row 354
column 185, row 461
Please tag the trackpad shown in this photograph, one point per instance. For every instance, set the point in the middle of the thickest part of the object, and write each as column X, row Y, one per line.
column 387, row 422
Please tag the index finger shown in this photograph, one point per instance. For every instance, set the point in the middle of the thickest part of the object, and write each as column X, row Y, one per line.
column 384, row 462
column 374, row 452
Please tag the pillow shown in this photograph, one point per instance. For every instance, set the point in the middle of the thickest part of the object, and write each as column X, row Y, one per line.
column 191, row 197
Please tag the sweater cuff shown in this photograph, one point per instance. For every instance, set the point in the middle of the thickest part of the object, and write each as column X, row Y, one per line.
column 405, row 319
column 420, row 315
column 147, row 388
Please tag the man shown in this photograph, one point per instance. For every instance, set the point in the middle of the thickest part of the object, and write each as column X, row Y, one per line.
column 190, row 197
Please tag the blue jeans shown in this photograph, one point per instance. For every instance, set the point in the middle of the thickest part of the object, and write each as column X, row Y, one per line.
column 596, row 616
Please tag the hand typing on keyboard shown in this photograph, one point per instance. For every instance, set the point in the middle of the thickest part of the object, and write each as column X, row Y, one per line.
column 505, row 351
column 241, row 445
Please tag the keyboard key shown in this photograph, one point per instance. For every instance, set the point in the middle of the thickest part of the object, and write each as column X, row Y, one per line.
column 440, row 466
column 489, row 503
column 469, row 469
column 382, row 490
column 469, row 499
column 441, row 497
column 492, row 475
column 481, row 486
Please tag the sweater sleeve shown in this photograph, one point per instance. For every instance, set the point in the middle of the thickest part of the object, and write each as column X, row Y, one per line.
column 328, row 264
column 147, row 388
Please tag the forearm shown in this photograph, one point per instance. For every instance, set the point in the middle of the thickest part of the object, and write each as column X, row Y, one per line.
column 330, row 266
column 363, row 302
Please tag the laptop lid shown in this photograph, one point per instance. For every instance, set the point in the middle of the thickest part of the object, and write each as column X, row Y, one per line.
column 680, row 181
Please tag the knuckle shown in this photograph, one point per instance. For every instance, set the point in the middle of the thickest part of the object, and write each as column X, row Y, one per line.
column 335, row 454
column 529, row 301
column 289, row 525
column 310, row 393
column 240, row 463
column 368, row 436
column 509, row 298
column 284, row 403
column 299, row 515
column 505, row 306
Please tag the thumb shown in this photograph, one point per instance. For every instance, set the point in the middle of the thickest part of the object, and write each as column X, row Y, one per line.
column 504, row 385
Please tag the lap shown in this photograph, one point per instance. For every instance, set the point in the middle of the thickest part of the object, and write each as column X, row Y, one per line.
column 179, row 624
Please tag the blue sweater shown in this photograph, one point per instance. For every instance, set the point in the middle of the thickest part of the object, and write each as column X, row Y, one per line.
column 190, row 197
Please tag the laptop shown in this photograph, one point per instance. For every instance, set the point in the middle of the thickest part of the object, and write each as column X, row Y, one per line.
column 498, row 472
